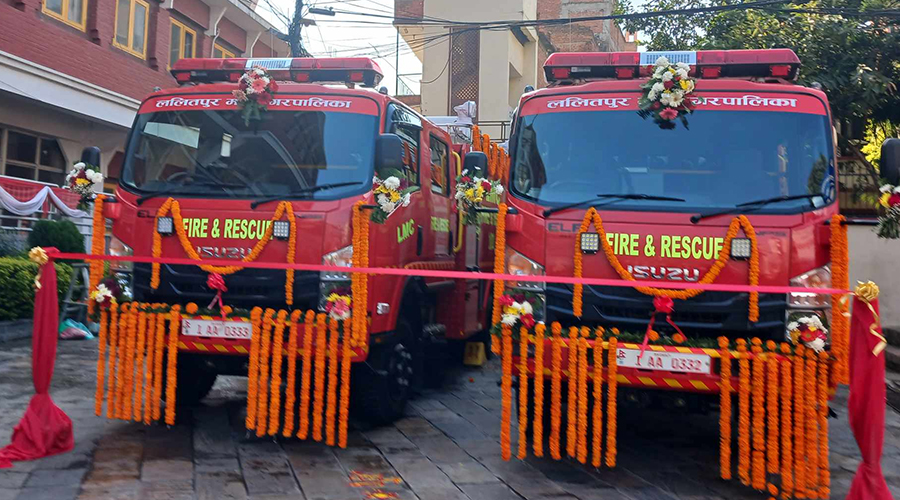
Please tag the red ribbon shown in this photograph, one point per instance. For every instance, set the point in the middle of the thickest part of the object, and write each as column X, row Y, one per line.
column 661, row 305
column 216, row 282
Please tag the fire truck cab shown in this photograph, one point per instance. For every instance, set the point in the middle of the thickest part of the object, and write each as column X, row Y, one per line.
column 324, row 136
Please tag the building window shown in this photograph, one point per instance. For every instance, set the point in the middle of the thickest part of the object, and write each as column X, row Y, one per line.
column 221, row 52
column 71, row 12
column 183, row 42
column 440, row 161
column 33, row 158
column 131, row 26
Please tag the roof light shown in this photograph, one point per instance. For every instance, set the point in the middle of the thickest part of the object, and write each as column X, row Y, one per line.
column 560, row 73
column 780, row 70
column 306, row 69
column 710, row 72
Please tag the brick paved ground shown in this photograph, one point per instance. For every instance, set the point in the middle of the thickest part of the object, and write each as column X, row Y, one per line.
column 446, row 448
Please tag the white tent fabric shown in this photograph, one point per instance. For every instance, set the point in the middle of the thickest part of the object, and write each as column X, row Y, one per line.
column 25, row 208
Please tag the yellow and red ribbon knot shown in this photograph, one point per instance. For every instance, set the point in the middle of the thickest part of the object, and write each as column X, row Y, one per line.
column 216, row 282
column 39, row 256
column 868, row 293
column 661, row 305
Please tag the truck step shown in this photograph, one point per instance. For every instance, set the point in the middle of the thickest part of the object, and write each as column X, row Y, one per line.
column 892, row 334
column 434, row 333
column 892, row 358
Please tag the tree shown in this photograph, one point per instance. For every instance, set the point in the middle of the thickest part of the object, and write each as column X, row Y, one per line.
column 856, row 59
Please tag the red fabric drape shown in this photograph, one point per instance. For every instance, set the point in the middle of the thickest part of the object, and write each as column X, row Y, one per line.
column 44, row 429
column 867, row 402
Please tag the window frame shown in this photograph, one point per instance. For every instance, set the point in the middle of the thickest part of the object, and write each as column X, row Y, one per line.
column 36, row 166
column 64, row 15
column 226, row 54
column 131, row 11
column 444, row 188
column 184, row 29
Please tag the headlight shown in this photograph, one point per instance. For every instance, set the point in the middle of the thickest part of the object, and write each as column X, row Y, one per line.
column 335, row 282
column 817, row 278
column 119, row 249
column 521, row 265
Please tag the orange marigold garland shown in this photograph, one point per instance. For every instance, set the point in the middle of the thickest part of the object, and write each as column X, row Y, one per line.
column 98, row 247
column 124, row 318
column 812, row 426
column 308, row 334
column 331, row 401
column 611, row 400
column 344, row 414
column 582, row 449
column 113, row 356
column 572, row 386
column 840, row 278
column 159, row 343
column 172, row 363
column 101, row 362
column 253, row 368
column 138, row 366
column 538, row 418
column 822, row 396
column 725, row 409
column 597, row 415
column 737, row 223
column 799, row 423
column 275, row 385
column 506, row 393
column 743, row 413
column 265, row 349
column 772, row 408
column 523, row 393
column 291, row 254
column 759, row 425
column 148, row 366
column 356, row 261
column 787, row 455
column 555, row 389
column 499, row 260
column 319, row 393
column 291, row 389
column 130, row 347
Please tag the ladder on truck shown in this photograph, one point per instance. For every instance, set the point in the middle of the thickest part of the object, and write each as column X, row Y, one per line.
column 74, row 305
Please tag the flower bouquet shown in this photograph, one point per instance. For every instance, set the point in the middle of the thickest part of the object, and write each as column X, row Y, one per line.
column 889, row 223
column 337, row 304
column 391, row 193
column 471, row 192
column 810, row 331
column 666, row 95
column 81, row 180
column 255, row 91
column 518, row 309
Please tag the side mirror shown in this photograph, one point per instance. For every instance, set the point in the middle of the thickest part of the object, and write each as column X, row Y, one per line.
column 91, row 156
column 890, row 161
column 476, row 163
column 388, row 152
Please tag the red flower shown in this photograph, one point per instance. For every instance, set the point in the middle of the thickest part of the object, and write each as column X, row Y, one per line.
column 486, row 186
column 258, row 85
column 808, row 336
column 669, row 84
column 264, row 99
column 273, row 87
column 81, row 174
column 519, row 297
column 668, row 114
column 243, row 84
column 506, row 300
column 466, row 179
column 656, row 105
column 527, row 320
column 894, row 199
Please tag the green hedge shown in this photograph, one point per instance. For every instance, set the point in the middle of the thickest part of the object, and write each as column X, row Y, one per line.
column 17, row 287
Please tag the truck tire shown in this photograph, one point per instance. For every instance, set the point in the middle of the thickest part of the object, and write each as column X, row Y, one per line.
column 381, row 397
column 194, row 381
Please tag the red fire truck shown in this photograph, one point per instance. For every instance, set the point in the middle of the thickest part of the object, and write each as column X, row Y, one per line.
column 323, row 138
column 757, row 144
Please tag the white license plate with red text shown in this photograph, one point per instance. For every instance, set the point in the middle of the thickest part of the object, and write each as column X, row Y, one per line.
column 664, row 361
column 219, row 329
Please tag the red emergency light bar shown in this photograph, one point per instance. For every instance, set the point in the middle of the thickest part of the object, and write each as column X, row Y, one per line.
column 361, row 70
column 782, row 64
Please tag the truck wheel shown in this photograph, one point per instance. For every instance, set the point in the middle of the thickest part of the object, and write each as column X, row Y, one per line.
column 194, row 382
column 381, row 397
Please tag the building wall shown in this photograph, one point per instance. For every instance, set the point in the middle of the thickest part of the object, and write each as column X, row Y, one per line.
column 870, row 256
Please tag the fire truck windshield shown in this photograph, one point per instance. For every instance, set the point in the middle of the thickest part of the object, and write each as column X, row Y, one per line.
column 212, row 153
column 725, row 158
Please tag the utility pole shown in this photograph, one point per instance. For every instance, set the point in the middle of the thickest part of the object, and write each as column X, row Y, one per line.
column 297, row 49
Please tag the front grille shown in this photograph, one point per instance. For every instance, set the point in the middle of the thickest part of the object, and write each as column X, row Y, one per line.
column 246, row 289
column 710, row 314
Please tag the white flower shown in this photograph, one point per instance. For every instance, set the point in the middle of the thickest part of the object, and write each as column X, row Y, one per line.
column 676, row 99
column 682, row 65
column 817, row 345
column 662, row 61
column 886, row 188
column 382, row 199
column 498, row 189
column 392, row 183
column 793, row 325
column 388, row 207
column 667, row 76
column 658, row 88
column 509, row 319
column 259, row 71
column 265, row 79
column 682, row 73
column 666, row 99
column 897, row 189
column 526, row 308
column 406, row 199
column 79, row 166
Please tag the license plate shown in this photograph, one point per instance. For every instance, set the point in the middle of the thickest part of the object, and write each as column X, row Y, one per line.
column 664, row 361
column 216, row 328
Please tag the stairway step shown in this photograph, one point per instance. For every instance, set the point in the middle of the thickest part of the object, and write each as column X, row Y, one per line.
column 892, row 358
column 892, row 334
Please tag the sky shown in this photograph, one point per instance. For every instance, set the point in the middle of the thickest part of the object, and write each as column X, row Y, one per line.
column 346, row 35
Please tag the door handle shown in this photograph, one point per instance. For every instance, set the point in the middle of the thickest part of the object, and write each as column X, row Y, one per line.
column 419, row 240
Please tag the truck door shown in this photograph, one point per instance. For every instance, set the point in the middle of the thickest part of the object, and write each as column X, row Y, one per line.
column 443, row 220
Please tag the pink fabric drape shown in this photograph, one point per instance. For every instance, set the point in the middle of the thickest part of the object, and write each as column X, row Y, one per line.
column 44, row 429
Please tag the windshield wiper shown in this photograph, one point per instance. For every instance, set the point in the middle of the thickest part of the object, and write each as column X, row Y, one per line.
column 178, row 190
column 551, row 211
column 754, row 205
column 301, row 193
